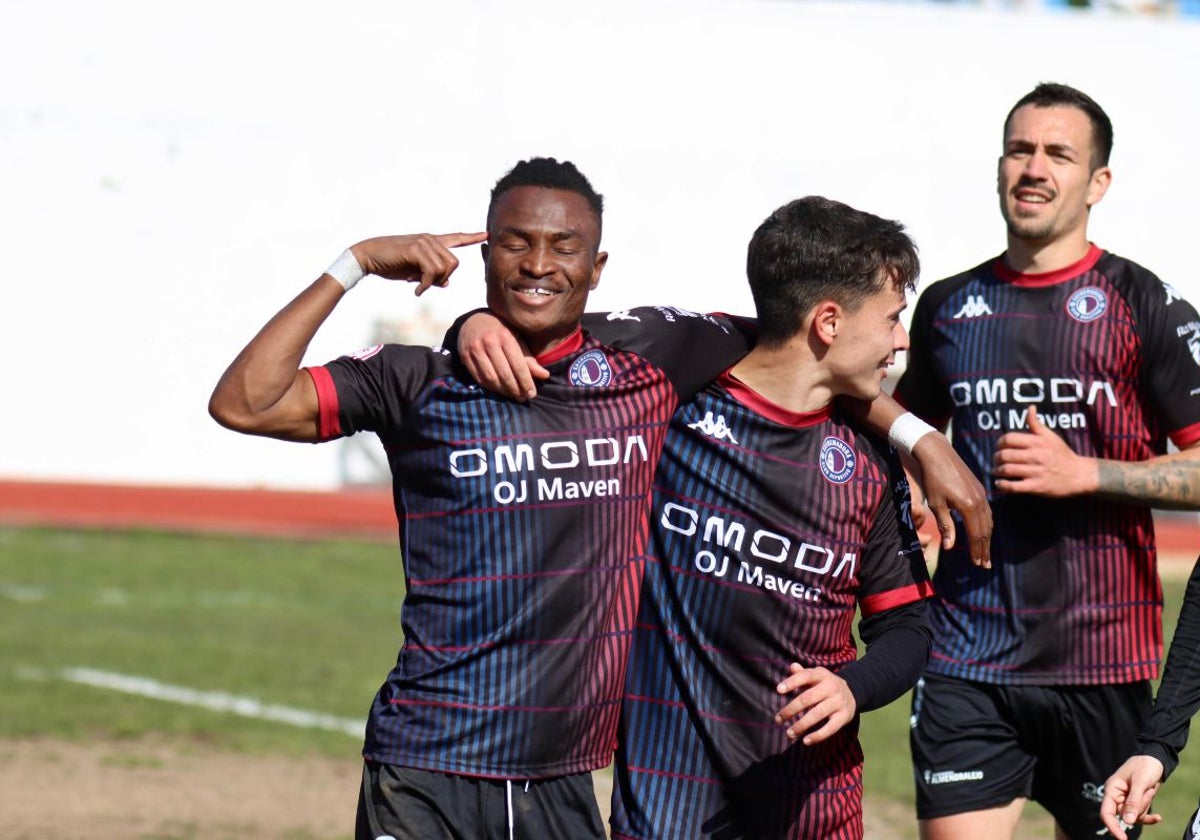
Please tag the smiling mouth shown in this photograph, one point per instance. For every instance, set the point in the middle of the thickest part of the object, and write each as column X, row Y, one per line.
column 534, row 292
column 1027, row 196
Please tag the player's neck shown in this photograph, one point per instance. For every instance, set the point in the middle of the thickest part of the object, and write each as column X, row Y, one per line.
column 1040, row 257
column 787, row 378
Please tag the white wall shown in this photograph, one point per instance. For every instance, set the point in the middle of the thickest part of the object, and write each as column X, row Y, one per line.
column 169, row 177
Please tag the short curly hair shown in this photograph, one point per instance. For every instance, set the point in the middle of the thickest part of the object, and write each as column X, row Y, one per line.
column 552, row 174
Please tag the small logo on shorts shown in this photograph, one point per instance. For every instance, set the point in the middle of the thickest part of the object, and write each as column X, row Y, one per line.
column 1087, row 304
column 591, row 370
column 837, row 460
column 945, row 777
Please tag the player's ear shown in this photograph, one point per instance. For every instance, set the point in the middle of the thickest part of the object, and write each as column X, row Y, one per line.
column 1098, row 185
column 827, row 318
column 597, row 267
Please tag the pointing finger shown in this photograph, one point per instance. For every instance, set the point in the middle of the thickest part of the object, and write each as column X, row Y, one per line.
column 457, row 240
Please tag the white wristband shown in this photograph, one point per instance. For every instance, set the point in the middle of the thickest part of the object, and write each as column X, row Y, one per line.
column 907, row 430
column 346, row 270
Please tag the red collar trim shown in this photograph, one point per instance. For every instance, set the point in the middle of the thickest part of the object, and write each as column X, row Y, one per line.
column 570, row 344
column 1050, row 277
column 759, row 404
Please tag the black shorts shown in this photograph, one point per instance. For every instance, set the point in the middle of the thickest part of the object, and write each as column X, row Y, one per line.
column 1192, row 832
column 977, row 746
column 409, row 804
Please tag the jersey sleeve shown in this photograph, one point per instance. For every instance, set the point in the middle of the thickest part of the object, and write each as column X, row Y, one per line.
column 898, row 644
column 919, row 389
column 892, row 600
column 892, row 572
column 1169, row 328
column 692, row 349
column 1178, row 699
column 371, row 390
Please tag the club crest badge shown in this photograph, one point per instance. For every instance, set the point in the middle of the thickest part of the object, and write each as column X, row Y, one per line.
column 837, row 460
column 1087, row 304
column 591, row 370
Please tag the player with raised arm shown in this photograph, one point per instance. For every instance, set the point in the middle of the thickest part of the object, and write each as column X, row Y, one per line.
column 522, row 527
column 1063, row 371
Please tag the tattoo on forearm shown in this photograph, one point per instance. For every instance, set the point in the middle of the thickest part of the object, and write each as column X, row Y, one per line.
column 1173, row 485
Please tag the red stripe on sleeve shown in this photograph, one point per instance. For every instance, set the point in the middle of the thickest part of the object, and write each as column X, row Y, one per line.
column 328, row 424
column 881, row 601
column 1185, row 437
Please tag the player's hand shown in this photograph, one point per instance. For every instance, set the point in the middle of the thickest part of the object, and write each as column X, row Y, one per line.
column 823, row 706
column 1129, row 795
column 950, row 485
column 1041, row 463
column 497, row 359
column 421, row 258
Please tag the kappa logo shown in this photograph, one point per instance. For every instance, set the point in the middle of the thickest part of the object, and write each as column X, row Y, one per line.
column 1172, row 293
column 591, row 370
column 1087, row 304
column 715, row 427
column 975, row 307
column 622, row 315
column 837, row 460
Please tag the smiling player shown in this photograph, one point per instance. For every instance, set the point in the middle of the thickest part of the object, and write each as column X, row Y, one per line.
column 1064, row 370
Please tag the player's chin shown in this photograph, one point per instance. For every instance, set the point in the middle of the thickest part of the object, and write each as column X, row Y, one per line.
column 867, row 390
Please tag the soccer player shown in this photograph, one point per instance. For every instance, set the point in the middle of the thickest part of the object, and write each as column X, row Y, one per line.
column 1129, row 792
column 1063, row 370
column 522, row 526
column 774, row 519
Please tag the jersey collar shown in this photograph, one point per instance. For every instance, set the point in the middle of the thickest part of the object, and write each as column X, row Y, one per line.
column 1049, row 278
column 570, row 344
column 759, row 404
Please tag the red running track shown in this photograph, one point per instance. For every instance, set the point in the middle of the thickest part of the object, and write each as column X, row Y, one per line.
column 350, row 513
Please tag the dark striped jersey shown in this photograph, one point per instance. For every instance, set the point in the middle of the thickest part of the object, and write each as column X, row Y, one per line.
column 523, row 531
column 1110, row 357
column 769, row 528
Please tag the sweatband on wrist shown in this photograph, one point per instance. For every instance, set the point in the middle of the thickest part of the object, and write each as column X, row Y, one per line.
column 907, row 430
column 346, row 270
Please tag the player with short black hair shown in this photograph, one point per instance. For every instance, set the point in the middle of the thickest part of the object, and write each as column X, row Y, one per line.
column 522, row 526
column 1063, row 371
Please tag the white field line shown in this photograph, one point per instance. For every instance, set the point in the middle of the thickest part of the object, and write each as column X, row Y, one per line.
column 217, row 701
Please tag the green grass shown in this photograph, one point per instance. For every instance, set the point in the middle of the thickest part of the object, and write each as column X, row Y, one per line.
column 312, row 625
column 301, row 624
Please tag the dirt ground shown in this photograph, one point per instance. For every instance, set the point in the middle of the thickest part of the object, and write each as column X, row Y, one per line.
column 147, row 790
column 121, row 790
